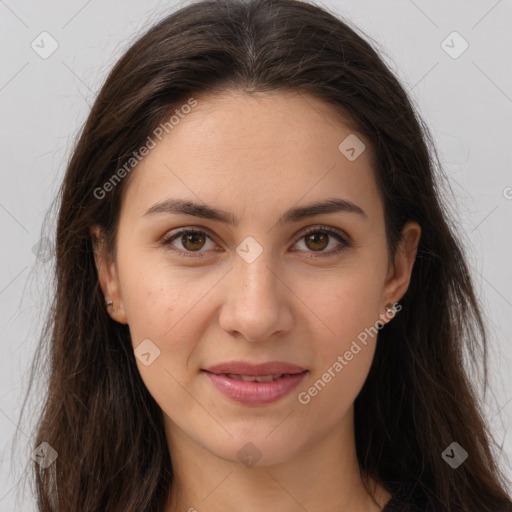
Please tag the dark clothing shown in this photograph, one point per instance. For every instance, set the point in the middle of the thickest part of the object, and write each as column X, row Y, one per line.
column 405, row 500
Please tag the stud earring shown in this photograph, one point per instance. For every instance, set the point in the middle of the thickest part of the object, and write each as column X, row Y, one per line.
column 109, row 303
column 391, row 308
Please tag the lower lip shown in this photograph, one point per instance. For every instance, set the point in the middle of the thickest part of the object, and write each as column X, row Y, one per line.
column 255, row 393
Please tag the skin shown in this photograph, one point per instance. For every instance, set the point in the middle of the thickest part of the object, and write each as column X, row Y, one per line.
column 256, row 156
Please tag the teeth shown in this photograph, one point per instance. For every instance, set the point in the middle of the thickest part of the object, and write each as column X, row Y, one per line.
column 251, row 378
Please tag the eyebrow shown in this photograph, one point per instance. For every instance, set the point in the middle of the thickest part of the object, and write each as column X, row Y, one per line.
column 179, row 206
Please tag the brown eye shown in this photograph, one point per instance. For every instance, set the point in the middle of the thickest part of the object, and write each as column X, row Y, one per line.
column 317, row 241
column 193, row 241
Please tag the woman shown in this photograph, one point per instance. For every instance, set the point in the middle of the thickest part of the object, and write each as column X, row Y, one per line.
column 261, row 303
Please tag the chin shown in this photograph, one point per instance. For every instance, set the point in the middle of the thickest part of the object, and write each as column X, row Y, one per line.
column 255, row 450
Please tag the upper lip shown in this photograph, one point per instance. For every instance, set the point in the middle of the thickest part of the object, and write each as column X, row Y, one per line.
column 255, row 370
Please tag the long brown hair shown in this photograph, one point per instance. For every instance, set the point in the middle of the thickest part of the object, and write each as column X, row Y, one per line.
column 97, row 413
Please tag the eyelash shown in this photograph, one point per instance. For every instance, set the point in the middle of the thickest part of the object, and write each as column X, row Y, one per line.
column 167, row 240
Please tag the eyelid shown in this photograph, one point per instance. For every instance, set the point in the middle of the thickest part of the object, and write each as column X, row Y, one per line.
column 343, row 238
column 329, row 229
column 170, row 237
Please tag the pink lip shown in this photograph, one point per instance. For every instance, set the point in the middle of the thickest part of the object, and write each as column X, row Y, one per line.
column 255, row 370
column 255, row 393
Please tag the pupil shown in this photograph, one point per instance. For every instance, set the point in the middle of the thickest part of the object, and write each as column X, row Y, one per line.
column 317, row 238
column 193, row 239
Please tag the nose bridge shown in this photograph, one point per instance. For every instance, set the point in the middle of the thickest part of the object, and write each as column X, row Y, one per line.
column 256, row 306
column 256, row 281
column 254, row 265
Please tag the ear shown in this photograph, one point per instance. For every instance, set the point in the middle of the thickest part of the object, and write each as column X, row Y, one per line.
column 399, row 274
column 108, row 277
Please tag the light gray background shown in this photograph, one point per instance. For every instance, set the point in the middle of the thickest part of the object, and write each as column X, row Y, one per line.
column 466, row 101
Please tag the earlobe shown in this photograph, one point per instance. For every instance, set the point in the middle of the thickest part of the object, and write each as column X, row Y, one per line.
column 108, row 277
column 400, row 273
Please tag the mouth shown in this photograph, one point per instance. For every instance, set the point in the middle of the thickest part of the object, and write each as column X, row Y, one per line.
column 247, row 369
column 255, row 389
column 252, row 378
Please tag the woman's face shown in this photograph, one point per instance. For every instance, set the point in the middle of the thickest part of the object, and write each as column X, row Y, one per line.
column 252, row 286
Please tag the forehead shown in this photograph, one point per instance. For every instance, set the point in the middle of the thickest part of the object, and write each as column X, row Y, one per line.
column 257, row 149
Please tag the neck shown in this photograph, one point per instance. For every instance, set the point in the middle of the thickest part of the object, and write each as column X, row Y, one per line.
column 324, row 477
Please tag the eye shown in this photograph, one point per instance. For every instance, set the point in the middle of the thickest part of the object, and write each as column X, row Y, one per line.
column 319, row 238
column 193, row 240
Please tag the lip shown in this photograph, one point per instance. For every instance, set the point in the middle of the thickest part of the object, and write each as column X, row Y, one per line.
column 255, row 370
column 255, row 393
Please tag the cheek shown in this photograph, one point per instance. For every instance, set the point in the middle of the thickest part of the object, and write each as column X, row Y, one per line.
column 346, row 303
column 168, row 306
column 343, row 362
column 331, row 393
column 162, row 307
column 157, row 296
column 348, row 307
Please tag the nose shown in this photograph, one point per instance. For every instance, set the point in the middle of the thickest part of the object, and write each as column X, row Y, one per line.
column 258, row 304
